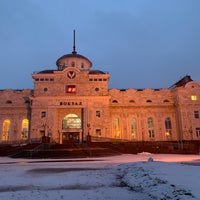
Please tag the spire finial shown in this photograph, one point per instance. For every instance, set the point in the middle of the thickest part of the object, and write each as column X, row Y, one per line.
column 74, row 44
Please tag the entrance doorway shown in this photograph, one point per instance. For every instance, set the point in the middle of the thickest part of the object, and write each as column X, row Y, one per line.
column 70, row 137
column 71, row 128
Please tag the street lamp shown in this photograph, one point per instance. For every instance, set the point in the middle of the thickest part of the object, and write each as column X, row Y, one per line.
column 88, row 126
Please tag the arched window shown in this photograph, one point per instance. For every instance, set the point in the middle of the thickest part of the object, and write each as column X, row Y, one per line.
column 6, row 130
column 114, row 101
column 8, row 102
column 168, row 127
column 150, row 127
column 73, row 64
column 133, row 129
column 116, row 129
column 132, row 101
column 24, row 133
column 71, row 121
column 149, row 101
column 166, row 101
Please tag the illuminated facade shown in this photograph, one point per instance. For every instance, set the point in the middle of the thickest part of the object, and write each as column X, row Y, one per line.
column 73, row 101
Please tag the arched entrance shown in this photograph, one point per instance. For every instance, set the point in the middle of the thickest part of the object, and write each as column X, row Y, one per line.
column 71, row 128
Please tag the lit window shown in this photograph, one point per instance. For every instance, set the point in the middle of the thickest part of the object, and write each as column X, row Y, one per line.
column 133, row 128
column 71, row 121
column 116, row 128
column 24, row 133
column 168, row 127
column 150, row 127
column 6, row 130
column 71, row 89
column 196, row 114
column 193, row 97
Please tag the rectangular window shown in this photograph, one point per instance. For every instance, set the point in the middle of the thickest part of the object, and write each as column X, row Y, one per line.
column 73, row 64
column 98, row 113
column 24, row 133
column 193, row 97
column 198, row 132
column 43, row 114
column 42, row 133
column 150, row 127
column 151, row 133
column 98, row 132
column 133, row 128
column 70, row 88
column 168, row 127
column 196, row 114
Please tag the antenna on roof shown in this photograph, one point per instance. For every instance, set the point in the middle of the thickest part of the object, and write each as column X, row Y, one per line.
column 74, row 44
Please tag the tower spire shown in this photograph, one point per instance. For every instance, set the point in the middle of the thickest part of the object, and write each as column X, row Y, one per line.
column 74, row 44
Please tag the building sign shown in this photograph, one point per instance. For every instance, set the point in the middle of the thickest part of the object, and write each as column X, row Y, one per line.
column 70, row 103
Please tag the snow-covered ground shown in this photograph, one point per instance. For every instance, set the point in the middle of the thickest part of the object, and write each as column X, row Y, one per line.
column 132, row 177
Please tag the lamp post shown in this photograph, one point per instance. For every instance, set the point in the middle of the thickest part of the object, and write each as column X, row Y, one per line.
column 88, row 136
column 190, row 131
column 142, row 134
column 88, row 126
column 45, row 137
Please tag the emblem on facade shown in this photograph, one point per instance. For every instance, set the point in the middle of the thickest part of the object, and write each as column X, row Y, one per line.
column 71, row 74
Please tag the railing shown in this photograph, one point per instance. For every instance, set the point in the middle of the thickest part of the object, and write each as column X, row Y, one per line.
column 20, row 142
column 106, row 139
column 14, row 142
column 41, row 147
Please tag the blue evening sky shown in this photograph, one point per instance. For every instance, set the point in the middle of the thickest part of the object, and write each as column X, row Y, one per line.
column 141, row 43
